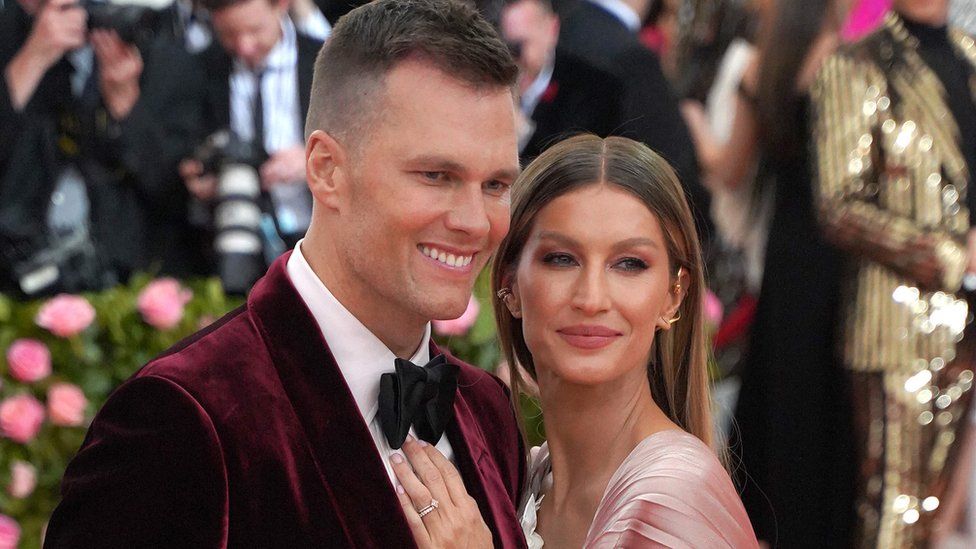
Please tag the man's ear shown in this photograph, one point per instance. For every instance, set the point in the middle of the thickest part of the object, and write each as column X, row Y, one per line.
column 326, row 164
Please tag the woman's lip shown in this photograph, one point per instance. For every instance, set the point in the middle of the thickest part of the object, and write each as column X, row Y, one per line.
column 588, row 337
column 587, row 342
column 590, row 330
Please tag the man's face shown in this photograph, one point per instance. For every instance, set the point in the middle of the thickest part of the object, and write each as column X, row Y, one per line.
column 535, row 32
column 249, row 30
column 428, row 199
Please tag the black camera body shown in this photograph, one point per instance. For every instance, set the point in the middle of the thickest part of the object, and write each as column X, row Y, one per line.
column 134, row 24
column 238, row 213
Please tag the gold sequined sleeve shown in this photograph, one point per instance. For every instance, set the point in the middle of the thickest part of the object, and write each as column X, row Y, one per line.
column 867, row 166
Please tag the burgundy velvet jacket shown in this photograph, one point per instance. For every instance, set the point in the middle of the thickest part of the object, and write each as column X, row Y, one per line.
column 246, row 435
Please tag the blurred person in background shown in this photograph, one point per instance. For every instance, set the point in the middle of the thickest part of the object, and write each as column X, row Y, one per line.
column 259, row 76
column 190, row 22
column 605, row 34
column 895, row 134
column 792, row 420
column 560, row 93
column 93, row 129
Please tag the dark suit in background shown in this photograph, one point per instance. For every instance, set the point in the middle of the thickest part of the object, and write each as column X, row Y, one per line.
column 650, row 105
column 137, row 216
column 580, row 98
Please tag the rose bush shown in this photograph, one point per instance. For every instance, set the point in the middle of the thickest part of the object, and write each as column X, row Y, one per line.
column 59, row 360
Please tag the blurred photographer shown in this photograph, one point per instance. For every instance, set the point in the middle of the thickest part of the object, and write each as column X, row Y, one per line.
column 93, row 129
column 259, row 74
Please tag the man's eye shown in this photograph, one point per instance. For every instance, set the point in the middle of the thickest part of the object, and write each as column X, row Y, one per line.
column 433, row 176
column 496, row 186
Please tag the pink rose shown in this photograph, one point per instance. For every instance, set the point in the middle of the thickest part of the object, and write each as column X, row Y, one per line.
column 65, row 315
column 460, row 325
column 29, row 360
column 23, row 479
column 20, row 418
column 161, row 303
column 713, row 309
column 9, row 533
column 66, row 404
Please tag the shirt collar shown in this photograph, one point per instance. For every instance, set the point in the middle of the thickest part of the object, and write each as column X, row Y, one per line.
column 532, row 95
column 621, row 11
column 361, row 357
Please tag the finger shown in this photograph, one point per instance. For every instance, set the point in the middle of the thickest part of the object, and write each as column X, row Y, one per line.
column 411, row 483
column 416, row 524
column 429, row 474
column 190, row 167
column 452, row 479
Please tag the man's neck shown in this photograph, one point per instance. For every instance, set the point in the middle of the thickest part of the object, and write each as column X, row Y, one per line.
column 402, row 333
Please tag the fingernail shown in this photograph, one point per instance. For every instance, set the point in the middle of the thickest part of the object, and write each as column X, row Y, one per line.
column 423, row 443
column 399, row 489
column 410, row 438
column 396, row 458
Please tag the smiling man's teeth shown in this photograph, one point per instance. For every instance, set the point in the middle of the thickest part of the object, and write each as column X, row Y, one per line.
column 450, row 260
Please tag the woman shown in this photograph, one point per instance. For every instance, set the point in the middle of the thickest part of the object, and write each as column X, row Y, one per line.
column 792, row 419
column 598, row 291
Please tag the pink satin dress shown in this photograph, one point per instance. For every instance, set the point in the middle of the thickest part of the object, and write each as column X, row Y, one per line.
column 671, row 491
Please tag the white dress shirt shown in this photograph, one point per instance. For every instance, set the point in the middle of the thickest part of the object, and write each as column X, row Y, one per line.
column 362, row 358
column 621, row 11
column 283, row 123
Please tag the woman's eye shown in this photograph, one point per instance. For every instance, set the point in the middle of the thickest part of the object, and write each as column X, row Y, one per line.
column 559, row 259
column 632, row 264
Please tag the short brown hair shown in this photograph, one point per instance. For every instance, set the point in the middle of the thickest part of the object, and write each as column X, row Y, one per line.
column 370, row 40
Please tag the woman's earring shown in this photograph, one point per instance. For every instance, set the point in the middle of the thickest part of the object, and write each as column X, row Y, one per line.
column 677, row 284
column 675, row 319
column 507, row 297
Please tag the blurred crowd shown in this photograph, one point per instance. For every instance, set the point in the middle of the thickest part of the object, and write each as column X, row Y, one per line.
column 825, row 146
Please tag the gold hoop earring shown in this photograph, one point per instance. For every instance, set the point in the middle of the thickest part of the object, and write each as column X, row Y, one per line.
column 503, row 293
column 675, row 319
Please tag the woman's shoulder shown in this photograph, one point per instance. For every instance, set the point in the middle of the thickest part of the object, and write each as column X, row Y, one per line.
column 668, row 452
column 672, row 490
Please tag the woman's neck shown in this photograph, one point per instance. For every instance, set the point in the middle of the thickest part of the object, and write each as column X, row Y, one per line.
column 590, row 431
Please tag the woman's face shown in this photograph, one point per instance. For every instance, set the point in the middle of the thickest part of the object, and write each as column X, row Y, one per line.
column 592, row 286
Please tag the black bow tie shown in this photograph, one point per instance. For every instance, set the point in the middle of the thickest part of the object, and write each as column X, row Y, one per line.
column 418, row 396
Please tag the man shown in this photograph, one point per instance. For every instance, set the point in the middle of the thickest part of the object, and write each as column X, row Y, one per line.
column 895, row 131
column 560, row 93
column 92, row 130
column 258, row 79
column 605, row 33
column 264, row 429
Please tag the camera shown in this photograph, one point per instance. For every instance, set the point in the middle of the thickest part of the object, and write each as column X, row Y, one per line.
column 47, row 264
column 134, row 24
column 240, row 222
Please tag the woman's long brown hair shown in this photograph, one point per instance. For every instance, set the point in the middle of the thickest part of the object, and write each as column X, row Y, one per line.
column 677, row 372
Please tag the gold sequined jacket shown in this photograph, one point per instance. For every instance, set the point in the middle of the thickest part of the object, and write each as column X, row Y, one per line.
column 891, row 192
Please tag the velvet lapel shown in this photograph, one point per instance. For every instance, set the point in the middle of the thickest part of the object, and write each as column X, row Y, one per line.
column 481, row 475
column 340, row 442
